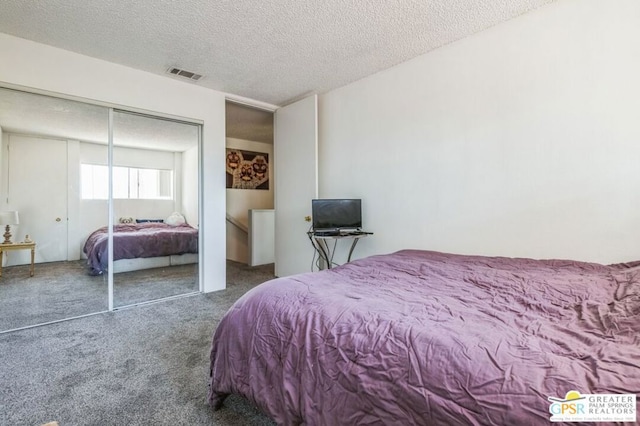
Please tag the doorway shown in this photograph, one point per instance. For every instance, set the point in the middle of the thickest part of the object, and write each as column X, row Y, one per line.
column 249, row 143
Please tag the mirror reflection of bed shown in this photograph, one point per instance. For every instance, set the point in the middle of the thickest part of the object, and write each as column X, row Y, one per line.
column 154, row 181
column 153, row 258
column 53, row 171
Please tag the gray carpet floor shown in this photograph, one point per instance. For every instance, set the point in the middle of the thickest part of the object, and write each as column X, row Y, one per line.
column 146, row 365
column 61, row 290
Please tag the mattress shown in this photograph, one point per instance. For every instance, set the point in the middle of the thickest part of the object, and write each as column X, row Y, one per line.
column 418, row 337
column 139, row 240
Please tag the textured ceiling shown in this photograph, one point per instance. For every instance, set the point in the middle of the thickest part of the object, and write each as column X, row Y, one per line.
column 33, row 114
column 247, row 123
column 273, row 51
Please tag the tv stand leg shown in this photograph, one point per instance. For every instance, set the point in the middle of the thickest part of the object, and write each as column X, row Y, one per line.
column 324, row 252
column 353, row 246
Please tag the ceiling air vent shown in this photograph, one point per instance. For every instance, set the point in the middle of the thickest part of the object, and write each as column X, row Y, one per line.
column 183, row 73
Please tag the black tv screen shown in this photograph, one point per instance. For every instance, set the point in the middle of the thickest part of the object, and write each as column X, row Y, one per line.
column 336, row 214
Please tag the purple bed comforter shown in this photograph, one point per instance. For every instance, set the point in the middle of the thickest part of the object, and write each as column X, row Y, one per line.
column 132, row 241
column 420, row 337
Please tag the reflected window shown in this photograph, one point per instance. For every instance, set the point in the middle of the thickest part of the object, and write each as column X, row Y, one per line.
column 128, row 183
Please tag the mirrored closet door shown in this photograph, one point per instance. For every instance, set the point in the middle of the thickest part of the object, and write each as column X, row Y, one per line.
column 155, row 208
column 61, row 171
column 49, row 207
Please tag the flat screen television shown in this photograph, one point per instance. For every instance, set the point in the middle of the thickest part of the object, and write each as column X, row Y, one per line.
column 336, row 214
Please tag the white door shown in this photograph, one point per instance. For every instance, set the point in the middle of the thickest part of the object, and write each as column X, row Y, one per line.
column 37, row 189
column 296, row 183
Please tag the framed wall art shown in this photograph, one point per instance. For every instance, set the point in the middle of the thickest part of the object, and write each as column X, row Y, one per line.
column 247, row 169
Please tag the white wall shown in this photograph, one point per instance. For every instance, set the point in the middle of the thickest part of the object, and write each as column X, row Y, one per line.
column 190, row 186
column 3, row 165
column 1, row 152
column 521, row 140
column 2, row 178
column 262, row 238
column 37, row 66
column 92, row 214
column 239, row 201
column 141, row 158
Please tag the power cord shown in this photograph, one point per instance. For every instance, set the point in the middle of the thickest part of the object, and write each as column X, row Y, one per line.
column 333, row 252
column 317, row 251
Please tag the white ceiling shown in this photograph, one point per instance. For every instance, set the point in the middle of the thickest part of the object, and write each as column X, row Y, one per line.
column 274, row 51
column 33, row 114
column 247, row 123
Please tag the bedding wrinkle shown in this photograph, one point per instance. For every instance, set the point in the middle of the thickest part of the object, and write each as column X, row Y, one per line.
column 418, row 337
column 140, row 240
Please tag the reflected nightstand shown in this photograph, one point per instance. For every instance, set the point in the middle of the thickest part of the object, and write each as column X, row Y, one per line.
column 19, row 246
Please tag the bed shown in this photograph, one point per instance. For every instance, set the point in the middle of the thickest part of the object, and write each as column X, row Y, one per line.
column 142, row 245
column 419, row 337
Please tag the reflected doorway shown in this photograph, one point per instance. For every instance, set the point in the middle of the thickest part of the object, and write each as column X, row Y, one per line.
column 55, row 174
column 44, row 141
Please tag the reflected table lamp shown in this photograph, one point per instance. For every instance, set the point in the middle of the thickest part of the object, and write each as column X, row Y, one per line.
column 8, row 218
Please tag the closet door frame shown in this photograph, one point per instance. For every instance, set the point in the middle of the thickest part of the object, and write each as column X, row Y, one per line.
column 153, row 114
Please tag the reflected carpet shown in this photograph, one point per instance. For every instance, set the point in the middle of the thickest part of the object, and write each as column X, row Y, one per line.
column 138, row 366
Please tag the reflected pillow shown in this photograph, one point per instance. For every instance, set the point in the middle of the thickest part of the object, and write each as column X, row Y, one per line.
column 175, row 219
column 149, row 220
